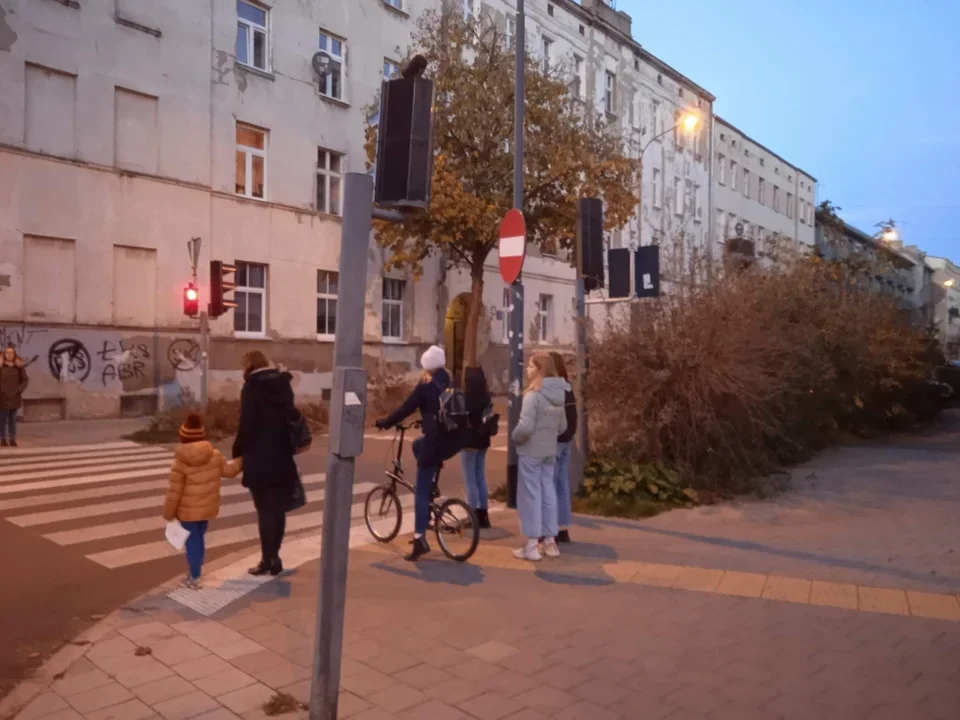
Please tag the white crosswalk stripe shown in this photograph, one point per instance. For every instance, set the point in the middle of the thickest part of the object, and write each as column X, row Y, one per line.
column 106, row 500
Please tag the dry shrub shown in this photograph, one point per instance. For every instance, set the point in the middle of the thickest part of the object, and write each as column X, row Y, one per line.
column 386, row 393
column 727, row 380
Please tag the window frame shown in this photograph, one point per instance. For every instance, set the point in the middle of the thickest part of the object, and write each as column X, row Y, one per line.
column 678, row 197
column 657, row 188
column 610, row 92
column 544, row 317
column 394, row 69
column 326, row 296
column 395, row 4
column 746, row 183
column 246, row 290
column 252, row 28
column 762, row 191
column 734, row 169
column 249, row 153
column 577, row 81
column 386, row 302
column 327, row 174
column 509, row 30
column 325, row 85
column 546, row 44
column 722, row 163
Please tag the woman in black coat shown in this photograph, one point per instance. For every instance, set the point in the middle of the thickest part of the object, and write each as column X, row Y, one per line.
column 263, row 441
column 433, row 447
column 473, row 458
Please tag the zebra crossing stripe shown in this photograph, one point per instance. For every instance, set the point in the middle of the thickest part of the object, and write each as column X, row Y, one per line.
column 61, row 449
column 84, row 480
column 40, row 475
column 79, row 495
column 109, row 508
column 85, row 459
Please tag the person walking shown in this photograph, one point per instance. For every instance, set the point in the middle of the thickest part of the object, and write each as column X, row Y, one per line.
column 473, row 457
column 193, row 491
column 13, row 383
column 434, row 446
column 542, row 420
column 561, row 473
column 264, row 443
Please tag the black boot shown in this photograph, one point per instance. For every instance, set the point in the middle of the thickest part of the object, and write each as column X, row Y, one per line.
column 563, row 536
column 420, row 548
column 483, row 519
column 271, row 567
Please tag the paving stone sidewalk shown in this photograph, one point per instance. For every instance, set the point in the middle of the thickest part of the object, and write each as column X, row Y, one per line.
column 836, row 601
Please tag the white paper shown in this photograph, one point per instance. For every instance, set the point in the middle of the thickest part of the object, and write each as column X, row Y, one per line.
column 351, row 398
column 176, row 534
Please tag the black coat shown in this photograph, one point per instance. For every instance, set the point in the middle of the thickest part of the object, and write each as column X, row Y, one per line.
column 263, row 439
column 435, row 446
column 570, row 405
column 475, row 437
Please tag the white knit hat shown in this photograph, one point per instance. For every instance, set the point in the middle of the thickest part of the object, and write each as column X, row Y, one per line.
column 433, row 359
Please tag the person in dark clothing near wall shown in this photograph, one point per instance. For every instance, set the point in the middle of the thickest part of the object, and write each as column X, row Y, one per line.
column 561, row 477
column 263, row 441
column 476, row 442
column 434, row 447
column 13, row 383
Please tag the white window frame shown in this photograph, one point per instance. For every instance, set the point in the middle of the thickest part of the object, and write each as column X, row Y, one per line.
column 610, row 92
column 386, row 302
column 761, row 191
column 678, row 195
column 657, row 188
column 655, row 120
column 546, row 44
column 391, row 69
column 734, row 169
column 776, row 198
column 252, row 28
column 746, row 183
column 325, row 175
column 696, row 202
column 325, row 40
column 395, row 4
column 578, row 84
column 545, row 317
column 509, row 31
column 790, row 205
column 722, row 162
column 249, row 153
column 326, row 296
column 247, row 290
column 469, row 9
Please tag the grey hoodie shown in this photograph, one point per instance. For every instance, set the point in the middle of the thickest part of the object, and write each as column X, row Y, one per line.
column 542, row 418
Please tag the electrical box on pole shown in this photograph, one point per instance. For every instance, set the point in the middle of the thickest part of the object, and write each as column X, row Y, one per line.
column 220, row 287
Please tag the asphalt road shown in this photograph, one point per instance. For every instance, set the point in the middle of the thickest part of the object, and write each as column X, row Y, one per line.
column 50, row 593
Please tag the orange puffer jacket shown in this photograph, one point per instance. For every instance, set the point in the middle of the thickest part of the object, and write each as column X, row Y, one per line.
column 193, row 493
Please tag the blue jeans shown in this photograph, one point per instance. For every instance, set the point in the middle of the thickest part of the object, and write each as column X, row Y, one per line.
column 195, row 546
column 474, row 466
column 8, row 419
column 537, row 497
column 421, row 507
column 561, row 481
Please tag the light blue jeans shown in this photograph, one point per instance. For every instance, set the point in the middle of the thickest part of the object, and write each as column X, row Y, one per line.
column 561, row 481
column 474, row 466
column 8, row 424
column 537, row 497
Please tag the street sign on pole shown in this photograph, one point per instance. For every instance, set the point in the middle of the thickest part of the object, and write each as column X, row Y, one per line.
column 513, row 245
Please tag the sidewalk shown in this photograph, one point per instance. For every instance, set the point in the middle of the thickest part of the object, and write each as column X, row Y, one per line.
column 839, row 600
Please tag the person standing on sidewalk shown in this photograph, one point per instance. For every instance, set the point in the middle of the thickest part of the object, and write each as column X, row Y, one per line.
column 263, row 441
column 561, row 474
column 193, row 491
column 13, row 383
column 542, row 420
column 473, row 457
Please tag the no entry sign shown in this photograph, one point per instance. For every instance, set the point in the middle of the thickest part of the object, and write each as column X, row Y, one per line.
column 513, row 245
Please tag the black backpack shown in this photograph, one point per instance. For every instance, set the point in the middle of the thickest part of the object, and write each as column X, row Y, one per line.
column 452, row 418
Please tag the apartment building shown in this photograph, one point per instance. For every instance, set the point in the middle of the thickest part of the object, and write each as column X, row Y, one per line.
column 758, row 190
column 946, row 298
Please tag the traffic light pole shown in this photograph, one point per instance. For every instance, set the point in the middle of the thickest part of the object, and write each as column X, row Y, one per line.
column 204, row 356
column 516, row 309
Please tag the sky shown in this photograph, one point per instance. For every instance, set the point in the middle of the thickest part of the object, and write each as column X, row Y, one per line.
column 863, row 95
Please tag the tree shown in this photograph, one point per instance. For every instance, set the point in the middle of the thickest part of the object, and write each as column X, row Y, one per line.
column 568, row 154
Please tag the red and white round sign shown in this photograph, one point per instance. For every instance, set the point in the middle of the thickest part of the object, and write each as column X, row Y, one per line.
column 513, row 245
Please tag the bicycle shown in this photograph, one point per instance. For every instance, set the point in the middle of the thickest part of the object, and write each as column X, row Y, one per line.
column 451, row 519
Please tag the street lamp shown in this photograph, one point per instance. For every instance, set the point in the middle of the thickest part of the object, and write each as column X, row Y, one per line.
column 890, row 235
column 949, row 283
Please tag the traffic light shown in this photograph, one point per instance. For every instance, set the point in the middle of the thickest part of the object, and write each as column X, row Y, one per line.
column 220, row 287
column 191, row 300
column 405, row 144
column 590, row 242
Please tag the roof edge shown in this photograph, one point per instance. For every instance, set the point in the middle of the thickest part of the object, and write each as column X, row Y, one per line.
column 733, row 127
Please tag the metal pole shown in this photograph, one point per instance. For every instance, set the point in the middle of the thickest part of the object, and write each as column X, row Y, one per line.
column 516, row 310
column 204, row 355
column 348, row 353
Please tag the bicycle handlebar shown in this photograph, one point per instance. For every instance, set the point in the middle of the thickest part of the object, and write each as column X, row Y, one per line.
column 416, row 424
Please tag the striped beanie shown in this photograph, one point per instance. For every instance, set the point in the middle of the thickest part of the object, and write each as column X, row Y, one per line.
column 192, row 429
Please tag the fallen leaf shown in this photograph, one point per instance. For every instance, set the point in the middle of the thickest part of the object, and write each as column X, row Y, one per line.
column 143, row 650
column 97, row 616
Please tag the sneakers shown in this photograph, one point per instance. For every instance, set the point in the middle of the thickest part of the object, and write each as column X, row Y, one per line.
column 550, row 548
column 192, row 583
column 420, row 548
column 528, row 552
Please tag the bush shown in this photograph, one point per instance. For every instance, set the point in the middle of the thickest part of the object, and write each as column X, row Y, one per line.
column 728, row 380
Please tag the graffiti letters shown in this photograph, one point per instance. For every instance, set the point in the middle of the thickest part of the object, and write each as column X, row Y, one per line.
column 184, row 354
column 122, row 361
column 69, row 360
column 18, row 337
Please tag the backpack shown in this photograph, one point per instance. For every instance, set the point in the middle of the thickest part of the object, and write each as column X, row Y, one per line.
column 490, row 421
column 452, row 418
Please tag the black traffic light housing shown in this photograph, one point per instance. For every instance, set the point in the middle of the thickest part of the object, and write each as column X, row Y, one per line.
column 191, row 300
column 405, row 144
column 590, row 242
column 220, row 286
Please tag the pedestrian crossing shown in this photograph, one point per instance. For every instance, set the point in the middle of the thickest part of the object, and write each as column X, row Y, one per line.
column 106, row 500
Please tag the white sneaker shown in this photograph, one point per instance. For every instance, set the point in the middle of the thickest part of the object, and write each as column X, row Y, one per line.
column 528, row 552
column 550, row 548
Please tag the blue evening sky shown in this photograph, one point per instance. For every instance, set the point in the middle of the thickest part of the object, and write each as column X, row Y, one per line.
column 864, row 95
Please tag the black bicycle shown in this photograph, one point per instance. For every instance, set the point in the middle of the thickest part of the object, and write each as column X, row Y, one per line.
column 454, row 522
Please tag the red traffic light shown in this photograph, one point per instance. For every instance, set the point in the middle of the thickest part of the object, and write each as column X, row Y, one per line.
column 192, row 294
column 191, row 300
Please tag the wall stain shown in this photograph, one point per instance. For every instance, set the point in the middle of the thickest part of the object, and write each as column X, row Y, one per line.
column 222, row 69
column 7, row 36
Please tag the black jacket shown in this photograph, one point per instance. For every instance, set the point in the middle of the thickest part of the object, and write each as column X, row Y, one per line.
column 435, row 447
column 570, row 405
column 263, row 439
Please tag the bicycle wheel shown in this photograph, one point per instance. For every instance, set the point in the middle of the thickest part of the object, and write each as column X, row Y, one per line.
column 457, row 530
column 382, row 514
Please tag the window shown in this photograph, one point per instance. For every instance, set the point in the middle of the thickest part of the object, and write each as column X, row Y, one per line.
column 391, row 70
column 326, row 303
column 398, row 4
column 761, row 191
column 506, row 302
column 545, row 317
column 251, row 298
column 790, row 205
column 329, row 181
column 251, row 161
column 576, row 85
column 332, row 85
column 734, row 179
column 657, row 188
column 609, row 96
column 746, row 183
column 467, row 9
column 636, row 64
column 547, row 43
column 251, row 35
column 392, row 308
column 654, row 120
column 722, row 163
column 731, row 225
column 550, row 10
column 802, row 211
column 632, row 113
column 677, row 196
column 508, row 33
column 776, row 198
column 697, row 209
column 721, row 226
